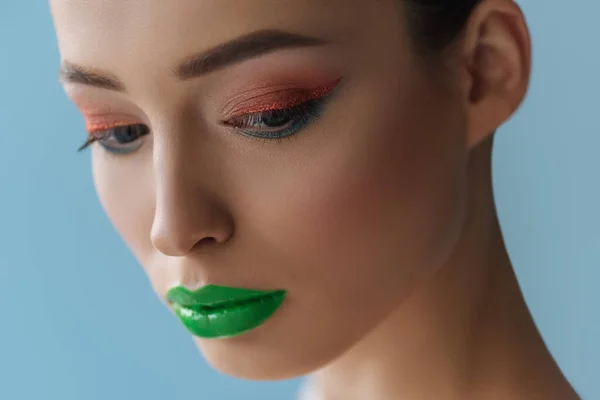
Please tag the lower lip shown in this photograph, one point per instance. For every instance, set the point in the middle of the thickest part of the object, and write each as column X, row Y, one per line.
column 229, row 320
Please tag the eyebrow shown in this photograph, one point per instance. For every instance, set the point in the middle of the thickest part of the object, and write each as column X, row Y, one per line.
column 221, row 56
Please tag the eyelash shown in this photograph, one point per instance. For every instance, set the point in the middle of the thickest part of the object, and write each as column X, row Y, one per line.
column 297, row 117
column 103, row 136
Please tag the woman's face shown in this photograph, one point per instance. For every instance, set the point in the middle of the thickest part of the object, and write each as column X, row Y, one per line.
column 348, row 200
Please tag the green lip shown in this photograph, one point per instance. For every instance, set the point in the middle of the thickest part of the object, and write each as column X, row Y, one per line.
column 219, row 311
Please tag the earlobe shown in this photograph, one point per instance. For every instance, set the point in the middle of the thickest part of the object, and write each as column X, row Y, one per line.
column 497, row 63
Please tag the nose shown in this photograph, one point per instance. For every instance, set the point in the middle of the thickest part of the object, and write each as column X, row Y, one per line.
column 188, row 216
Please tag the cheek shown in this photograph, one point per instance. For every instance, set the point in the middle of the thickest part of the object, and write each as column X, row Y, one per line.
column 380, row 208
column 125, row 191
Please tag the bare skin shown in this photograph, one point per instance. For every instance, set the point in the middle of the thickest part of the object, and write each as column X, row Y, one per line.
column 377, row 218
column 466, row 334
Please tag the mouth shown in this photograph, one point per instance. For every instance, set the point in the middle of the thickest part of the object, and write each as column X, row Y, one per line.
column 214, row 312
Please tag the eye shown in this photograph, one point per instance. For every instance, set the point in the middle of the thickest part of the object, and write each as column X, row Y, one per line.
column 278, row 123
column 122, row 139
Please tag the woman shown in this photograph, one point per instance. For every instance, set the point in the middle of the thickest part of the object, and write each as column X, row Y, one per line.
column 307, row 184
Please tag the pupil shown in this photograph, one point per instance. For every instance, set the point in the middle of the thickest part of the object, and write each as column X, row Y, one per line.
column 275, row 119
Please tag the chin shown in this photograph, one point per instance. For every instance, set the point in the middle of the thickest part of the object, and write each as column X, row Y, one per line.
column 253, row 358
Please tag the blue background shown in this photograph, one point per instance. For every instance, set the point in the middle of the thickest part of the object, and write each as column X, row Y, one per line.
column 60, row 258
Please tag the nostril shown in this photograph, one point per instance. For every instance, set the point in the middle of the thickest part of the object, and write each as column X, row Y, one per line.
column 205, row 241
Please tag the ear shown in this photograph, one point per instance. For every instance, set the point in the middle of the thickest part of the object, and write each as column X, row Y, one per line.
column 496, row 61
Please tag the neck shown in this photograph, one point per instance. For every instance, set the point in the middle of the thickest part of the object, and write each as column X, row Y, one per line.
column 465, row 334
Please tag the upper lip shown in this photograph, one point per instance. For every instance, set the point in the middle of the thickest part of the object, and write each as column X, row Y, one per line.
column 213, row 295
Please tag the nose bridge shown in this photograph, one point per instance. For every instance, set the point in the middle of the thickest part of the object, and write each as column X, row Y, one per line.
column 187, row 212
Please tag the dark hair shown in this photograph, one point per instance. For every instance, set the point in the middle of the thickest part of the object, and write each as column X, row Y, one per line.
column 435, row 24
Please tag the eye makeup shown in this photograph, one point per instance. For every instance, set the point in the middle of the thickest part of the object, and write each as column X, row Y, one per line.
column 279, row 114
column 282, row 99
column 116, row 133
column 269, row 105
column 118, row 139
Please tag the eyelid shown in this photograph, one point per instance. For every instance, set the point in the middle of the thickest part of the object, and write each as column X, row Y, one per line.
column 101, row 122
column 91, row 128
column 282, row 99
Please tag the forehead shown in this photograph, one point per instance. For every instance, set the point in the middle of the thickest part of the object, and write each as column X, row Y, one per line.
column 124, row 24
